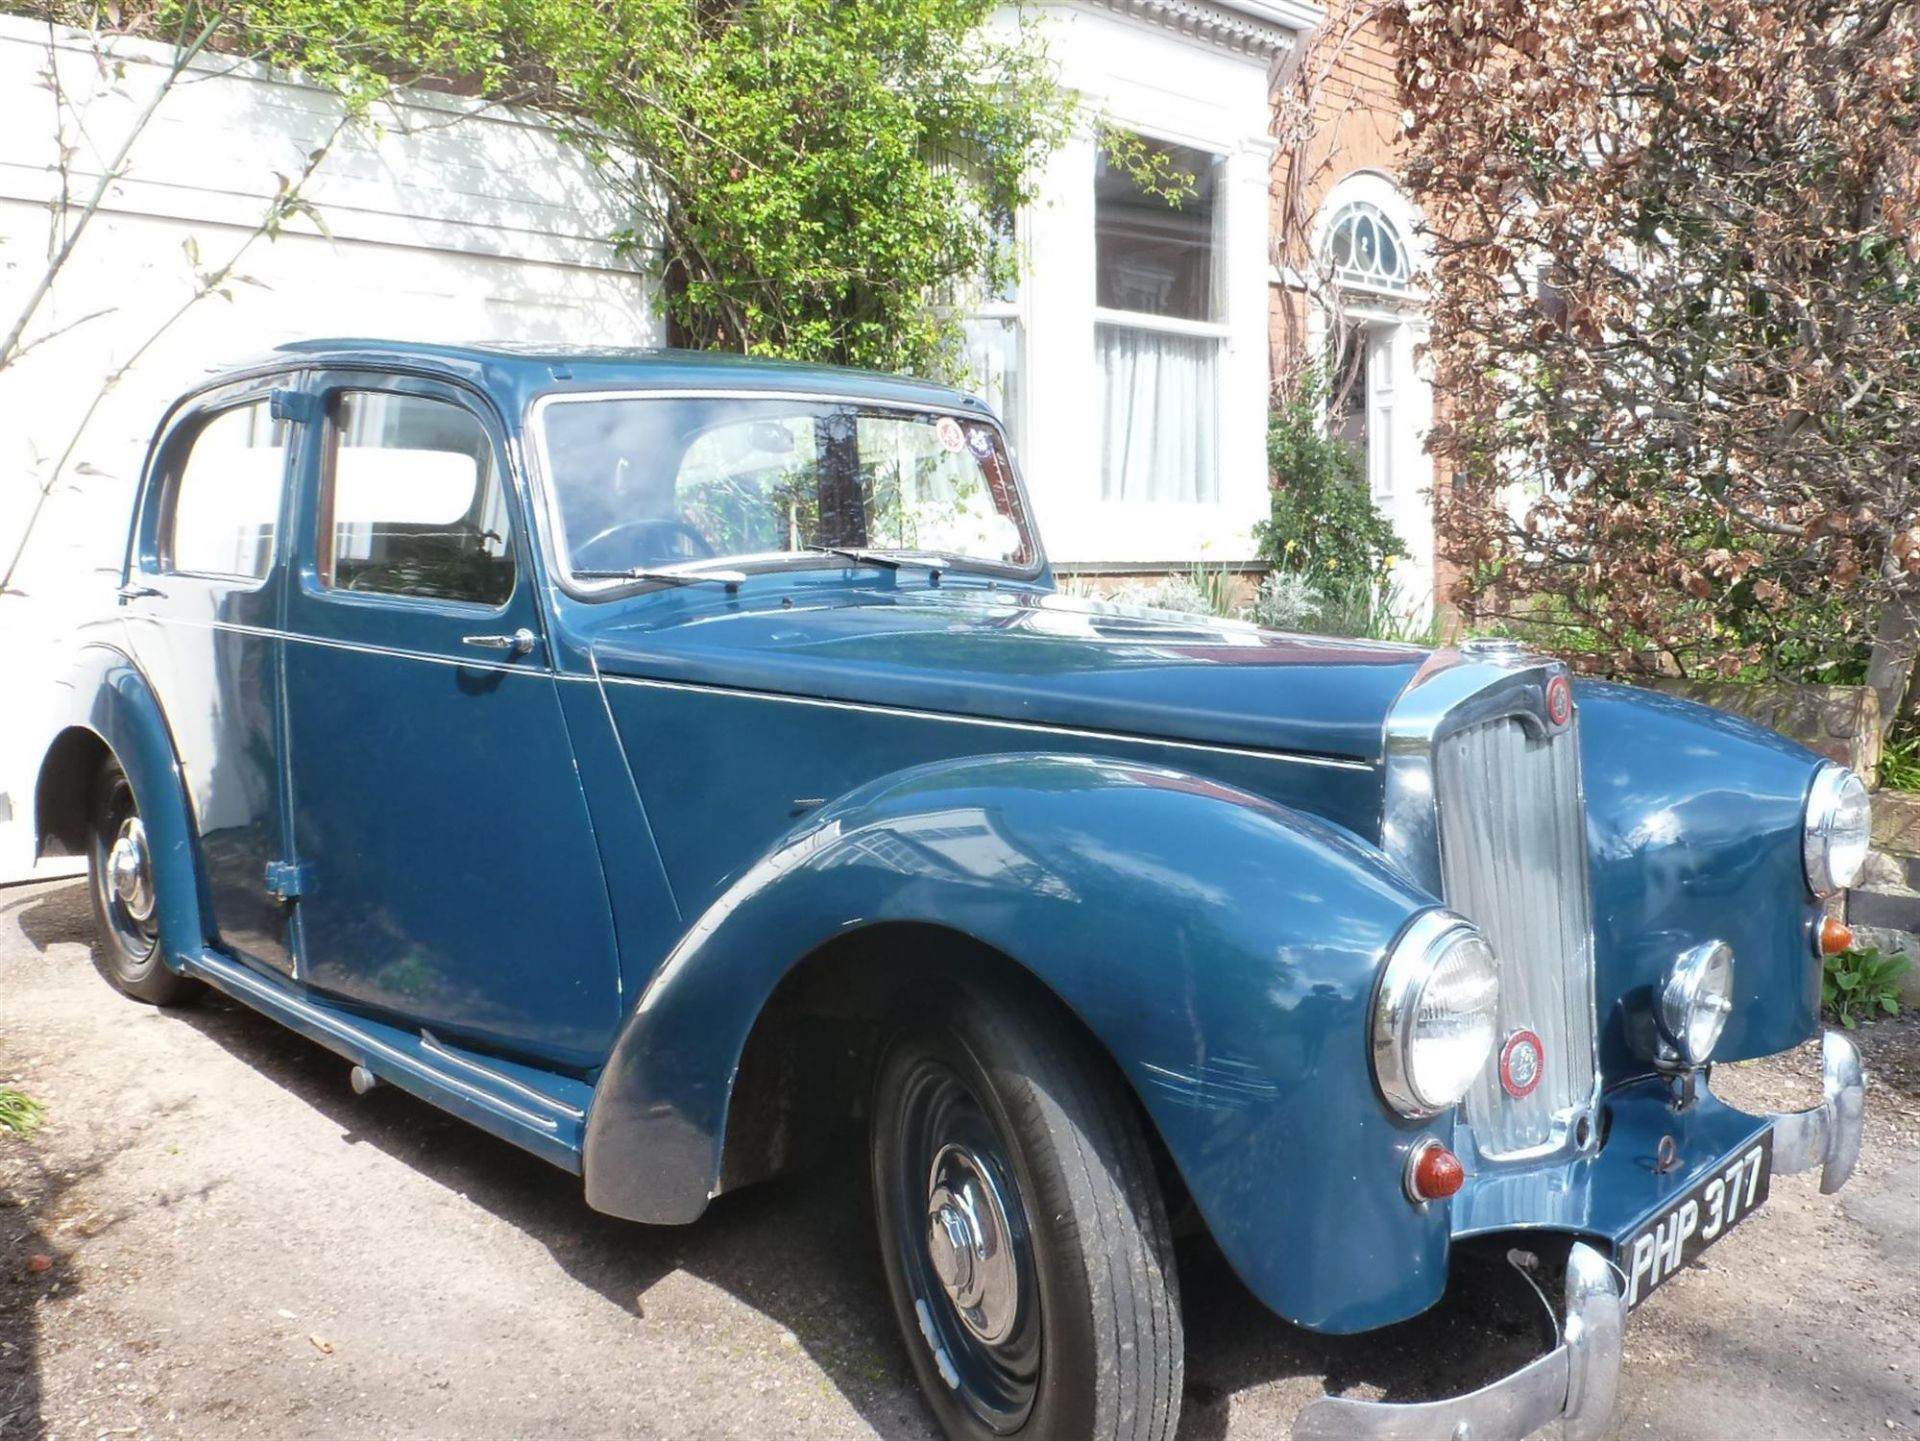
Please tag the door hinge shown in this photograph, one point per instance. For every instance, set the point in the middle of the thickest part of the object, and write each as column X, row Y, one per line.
column 286, row 880
column 295, row 405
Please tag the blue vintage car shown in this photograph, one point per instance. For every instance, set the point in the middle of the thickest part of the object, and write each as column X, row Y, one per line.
column 659, row 759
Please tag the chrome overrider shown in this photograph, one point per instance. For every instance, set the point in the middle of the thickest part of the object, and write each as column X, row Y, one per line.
column 1575, row 1382
column 1828, row 1136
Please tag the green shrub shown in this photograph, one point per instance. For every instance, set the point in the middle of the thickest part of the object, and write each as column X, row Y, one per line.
column 1861, row 984
column 1322, row 524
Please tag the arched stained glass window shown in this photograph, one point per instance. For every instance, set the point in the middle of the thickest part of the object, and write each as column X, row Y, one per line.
column 1366, row 249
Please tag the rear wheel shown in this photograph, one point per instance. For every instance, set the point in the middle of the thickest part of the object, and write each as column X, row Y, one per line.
column 1022, row 1229
column 126, row 910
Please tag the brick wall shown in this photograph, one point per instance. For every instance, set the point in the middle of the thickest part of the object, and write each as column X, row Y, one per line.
column 1345, row 88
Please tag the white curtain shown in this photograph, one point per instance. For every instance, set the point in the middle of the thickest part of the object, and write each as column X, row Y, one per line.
column 1158, row 416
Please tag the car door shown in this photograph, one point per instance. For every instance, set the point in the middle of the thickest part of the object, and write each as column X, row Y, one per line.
column 202, row 606
column 447, row 871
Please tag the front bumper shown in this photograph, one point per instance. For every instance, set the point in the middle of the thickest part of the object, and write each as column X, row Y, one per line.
column 1575, row 1382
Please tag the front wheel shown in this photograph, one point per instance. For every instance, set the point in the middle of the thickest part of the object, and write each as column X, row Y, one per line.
column 1022, row 1228
column 126, row 908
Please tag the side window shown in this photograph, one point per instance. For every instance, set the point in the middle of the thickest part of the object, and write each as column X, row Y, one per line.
column 226, row 501
column 413, row 502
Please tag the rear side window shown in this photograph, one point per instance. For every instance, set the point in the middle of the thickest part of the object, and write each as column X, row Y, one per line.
column 226, row 501
column 413, row 502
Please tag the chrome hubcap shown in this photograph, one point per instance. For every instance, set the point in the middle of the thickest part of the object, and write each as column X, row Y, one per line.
column 968, row 1243
column 130, row 870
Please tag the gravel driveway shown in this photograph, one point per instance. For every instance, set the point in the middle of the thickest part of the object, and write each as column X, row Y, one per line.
column 239, row 1246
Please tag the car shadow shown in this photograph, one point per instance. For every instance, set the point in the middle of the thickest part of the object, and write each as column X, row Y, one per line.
column 800, row 1250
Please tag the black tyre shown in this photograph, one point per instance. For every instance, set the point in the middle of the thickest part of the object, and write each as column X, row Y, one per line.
column 1022, row 1228
column 126, row 910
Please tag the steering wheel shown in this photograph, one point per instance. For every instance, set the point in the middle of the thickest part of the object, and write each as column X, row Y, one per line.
column 583, row 554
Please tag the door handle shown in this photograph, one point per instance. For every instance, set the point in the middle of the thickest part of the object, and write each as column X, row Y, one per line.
column 131, row 591
column 521, row 642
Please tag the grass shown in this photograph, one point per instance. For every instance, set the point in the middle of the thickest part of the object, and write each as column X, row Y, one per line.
column 1900, row 763
column 19, row 1112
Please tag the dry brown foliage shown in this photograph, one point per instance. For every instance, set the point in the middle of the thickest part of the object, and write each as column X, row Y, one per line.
column 1676, row 319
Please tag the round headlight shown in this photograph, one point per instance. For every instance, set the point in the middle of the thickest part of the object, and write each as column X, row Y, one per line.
column 1434, row 1016
column 1839, row 829
column 1696, row 1000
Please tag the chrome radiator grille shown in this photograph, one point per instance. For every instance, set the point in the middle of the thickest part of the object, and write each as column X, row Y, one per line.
column 1513, row 859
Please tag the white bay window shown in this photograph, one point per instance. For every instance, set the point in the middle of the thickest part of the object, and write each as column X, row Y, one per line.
column 1157, row 329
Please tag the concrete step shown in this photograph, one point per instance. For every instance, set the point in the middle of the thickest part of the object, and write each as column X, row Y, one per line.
column 1886, row 910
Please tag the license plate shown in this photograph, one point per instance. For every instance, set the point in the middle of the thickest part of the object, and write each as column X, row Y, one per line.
column 1714, row 1206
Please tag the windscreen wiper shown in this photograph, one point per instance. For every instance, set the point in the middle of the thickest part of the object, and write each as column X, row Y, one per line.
column 728, row 578
column 890, row 560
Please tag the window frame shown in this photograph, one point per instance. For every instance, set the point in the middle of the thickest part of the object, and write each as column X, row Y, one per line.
column 433, row 390
column 1218, row 331
column 175, row 456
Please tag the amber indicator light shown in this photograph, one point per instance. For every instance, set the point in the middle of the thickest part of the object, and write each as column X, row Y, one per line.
column 1835, row 936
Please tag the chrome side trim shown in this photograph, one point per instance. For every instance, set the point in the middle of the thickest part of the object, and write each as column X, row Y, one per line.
column 1574, row 1383
column 1828, row 1136
column 1295, row 757
column 437, row 1048
column 270, row 633
column 263, row 995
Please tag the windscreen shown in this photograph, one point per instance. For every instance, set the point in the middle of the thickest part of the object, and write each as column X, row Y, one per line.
column 646, row 481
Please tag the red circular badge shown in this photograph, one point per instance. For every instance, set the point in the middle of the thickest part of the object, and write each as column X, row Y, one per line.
column 1559, row 700
column 1522, row 1060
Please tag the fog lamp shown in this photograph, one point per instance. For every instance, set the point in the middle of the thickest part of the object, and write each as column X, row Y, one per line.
column 1695, row 1002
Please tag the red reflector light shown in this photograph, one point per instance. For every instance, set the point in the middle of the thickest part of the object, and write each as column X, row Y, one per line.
column 1835, row 936
column 1433, row 1172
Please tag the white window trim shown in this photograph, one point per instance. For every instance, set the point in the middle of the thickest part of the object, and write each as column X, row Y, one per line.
column 1165, row 324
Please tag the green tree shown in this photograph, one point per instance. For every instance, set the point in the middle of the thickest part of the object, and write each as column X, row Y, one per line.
column 825, row 179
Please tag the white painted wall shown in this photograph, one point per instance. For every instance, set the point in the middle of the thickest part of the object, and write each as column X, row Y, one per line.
column 443, row 221
column 1150, row 78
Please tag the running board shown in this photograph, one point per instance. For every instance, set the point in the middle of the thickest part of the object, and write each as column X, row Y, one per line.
column 542, row 1112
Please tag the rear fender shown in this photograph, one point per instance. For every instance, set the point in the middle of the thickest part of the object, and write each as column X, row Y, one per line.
column 1223, row 949
column 113, row 701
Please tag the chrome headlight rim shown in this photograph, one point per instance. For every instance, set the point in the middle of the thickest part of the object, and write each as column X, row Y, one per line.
column 1835, row 789
column 1413, row 960
column 1684, row 996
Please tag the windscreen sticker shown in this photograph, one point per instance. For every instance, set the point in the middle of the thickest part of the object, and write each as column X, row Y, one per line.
column 948, row 431
column 980, row 441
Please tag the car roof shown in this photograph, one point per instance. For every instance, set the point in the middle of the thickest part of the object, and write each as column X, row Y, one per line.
column 518, row 371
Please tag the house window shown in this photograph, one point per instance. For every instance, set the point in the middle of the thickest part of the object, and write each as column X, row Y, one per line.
column 1157, row 330
column 990, row 352
column 1366, row 251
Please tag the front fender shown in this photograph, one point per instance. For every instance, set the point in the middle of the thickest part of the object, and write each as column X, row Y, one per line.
column 113, row 700
column 1221, row 947
column 1694, row 825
